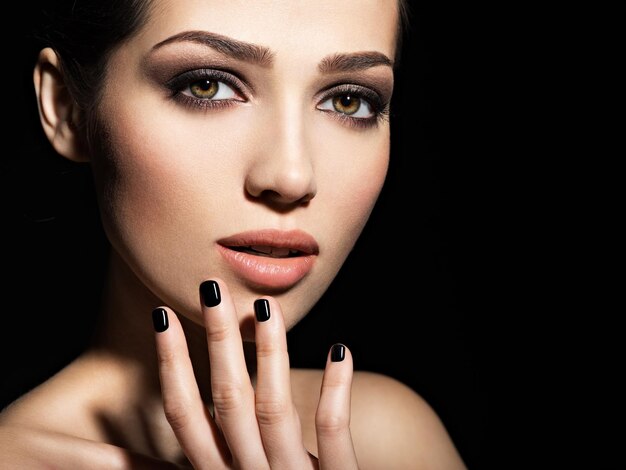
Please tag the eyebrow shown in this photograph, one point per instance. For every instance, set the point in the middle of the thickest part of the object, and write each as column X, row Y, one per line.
column 228, row 46
column 353, row 62
column 261, row 55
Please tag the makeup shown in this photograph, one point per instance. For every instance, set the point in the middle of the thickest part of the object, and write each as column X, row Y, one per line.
column 160, row 320
column 270, row 258
column 262, row 310
column 210, row 293
column 337, row 352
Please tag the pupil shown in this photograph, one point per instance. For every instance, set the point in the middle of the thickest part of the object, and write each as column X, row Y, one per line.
column 346, row 101
column 205, row 85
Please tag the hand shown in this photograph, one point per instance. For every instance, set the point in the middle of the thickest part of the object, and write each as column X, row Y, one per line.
column 252, row 428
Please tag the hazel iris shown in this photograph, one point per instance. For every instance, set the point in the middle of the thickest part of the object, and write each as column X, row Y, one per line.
column 204, row 89
column 346, row 104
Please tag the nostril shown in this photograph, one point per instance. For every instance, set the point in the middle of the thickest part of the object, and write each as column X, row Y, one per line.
column 306, row 198
column 281, row 183
column 274, row 197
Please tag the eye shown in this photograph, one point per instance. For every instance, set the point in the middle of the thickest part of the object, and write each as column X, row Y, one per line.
column 350, row 104
column 209, row 89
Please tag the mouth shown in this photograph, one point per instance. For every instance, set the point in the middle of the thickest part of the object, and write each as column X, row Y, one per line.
column 270, row 259
column 268, row 251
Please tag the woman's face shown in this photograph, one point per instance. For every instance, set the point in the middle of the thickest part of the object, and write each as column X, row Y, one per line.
column 247, row 141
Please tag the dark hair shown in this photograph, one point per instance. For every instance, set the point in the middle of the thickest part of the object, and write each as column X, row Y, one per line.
column 404, row 21
column 84, row 33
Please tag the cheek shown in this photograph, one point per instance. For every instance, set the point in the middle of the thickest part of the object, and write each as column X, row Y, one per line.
column 164, row 183
column 168, row 168
column 351, row 180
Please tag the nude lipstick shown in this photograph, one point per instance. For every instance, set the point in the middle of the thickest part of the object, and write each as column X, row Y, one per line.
column 270, row 258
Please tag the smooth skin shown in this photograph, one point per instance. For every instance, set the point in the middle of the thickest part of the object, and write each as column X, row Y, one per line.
column 215, row 389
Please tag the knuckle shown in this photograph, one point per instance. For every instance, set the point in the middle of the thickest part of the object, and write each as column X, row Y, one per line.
column 337, row 382
column 176, row 414
column 268, row 349
column 166, row 358
column 330, row 424
column 228, row 398
column 272, row 411
column 218, row 333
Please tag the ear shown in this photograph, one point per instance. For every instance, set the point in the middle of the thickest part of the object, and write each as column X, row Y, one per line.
column 57, row 109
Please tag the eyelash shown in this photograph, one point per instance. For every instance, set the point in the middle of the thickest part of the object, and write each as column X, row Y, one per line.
column 184, row 80
column 181, row 82
column 380, row 110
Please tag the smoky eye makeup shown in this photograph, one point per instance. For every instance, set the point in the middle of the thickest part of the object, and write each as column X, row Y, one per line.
column 207, row 88
column 196, row 79
column 359, row 102
column 354, row 104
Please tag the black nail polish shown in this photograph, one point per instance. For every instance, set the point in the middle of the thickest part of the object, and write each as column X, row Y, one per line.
column 337, row 353
column 262, row 309
column 210, row 292
column 159, row 319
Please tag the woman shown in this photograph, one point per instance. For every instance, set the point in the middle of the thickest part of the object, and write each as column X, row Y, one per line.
column 236, row 161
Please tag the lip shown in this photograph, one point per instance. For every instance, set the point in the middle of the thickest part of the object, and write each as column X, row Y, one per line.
column 267, row 272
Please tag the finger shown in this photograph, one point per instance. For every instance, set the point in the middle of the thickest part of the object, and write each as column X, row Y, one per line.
column 184, row 409
column 276, row 414
column 332, row 420
column 233, row 395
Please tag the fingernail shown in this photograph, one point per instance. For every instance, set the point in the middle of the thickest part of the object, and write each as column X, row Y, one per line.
column 210, row 292
column 337, row 353
column 159, row 319
column 262, row 309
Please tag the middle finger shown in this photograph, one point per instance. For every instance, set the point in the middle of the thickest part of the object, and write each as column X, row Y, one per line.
column 233, row 395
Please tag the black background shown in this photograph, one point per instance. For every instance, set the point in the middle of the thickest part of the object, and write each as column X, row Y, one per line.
column 486, row 321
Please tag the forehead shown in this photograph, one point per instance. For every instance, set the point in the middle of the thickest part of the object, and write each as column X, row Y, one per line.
column 315, row 27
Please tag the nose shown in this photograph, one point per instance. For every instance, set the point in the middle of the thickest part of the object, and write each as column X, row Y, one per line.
column 282, row 172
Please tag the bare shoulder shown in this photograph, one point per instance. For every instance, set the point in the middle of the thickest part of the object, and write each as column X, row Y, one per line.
column 22, row 447
column 390, row 419
column 393, row 427
column 58, row 404
column 51, row 424
column 54, row 423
